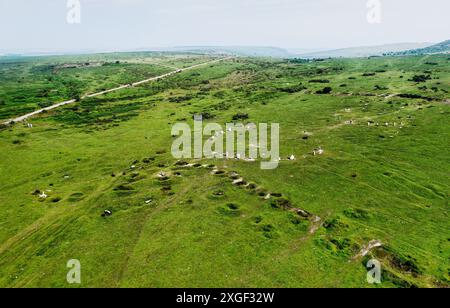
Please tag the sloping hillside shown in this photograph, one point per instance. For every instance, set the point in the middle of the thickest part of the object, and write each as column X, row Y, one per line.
column 443, row 47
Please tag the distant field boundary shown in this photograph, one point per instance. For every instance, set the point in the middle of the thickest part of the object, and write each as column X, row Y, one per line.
column 138, row 83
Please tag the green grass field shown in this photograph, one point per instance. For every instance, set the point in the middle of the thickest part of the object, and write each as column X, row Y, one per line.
column 384, row 174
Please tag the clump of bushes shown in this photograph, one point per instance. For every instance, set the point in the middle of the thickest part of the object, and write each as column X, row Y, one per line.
column 326, row 90
column 241, row 116
column 420, row 78
column 293, row 89
column 378, row 87
column 205, row 115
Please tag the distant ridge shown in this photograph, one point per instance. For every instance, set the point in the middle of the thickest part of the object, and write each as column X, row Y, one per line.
column 365, row 51
column 442, row 47
column 247, row 51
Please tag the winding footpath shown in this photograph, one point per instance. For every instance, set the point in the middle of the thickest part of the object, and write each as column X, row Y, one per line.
column 29, row 115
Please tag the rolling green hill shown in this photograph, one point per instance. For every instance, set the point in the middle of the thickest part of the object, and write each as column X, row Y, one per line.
column 443, row 47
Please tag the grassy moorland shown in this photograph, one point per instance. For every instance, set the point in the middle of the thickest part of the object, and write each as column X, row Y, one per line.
column 33, row 83
column 385, row 175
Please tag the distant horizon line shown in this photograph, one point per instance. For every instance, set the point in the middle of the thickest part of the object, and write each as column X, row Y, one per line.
column 43, row 51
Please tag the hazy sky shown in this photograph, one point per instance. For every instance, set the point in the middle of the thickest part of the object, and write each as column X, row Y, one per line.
column 41, row 25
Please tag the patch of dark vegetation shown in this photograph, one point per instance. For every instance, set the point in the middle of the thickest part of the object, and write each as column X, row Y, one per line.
column 257, row 219
column 382, row 88
column 281, row 203
column 37, row 192
column 241, row 116
column 55, row 199
column 368, row 74
column 269, row 231
column 341, row 243
column 135, row 177
column 326, row 90
column 166, row 187
column 389, row 276
column 319, row 81
column 262, row 193
column 181, row 163
column 123, row 187
column 298, row 221
column 339, row 246
column 356, row 213
column 335, row 224
column 180, row 99
column 406, row 264
column 414, row 96
column 205, row 115
column 293, row 89
column 148, row 160
column 420, row 78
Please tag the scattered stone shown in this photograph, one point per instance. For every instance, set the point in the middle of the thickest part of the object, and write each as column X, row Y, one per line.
column 43, row 195
column 368, row 248
column 234, row 175
column 301, row 213
column 239, row 182
column 318, row 151
column 107, row 213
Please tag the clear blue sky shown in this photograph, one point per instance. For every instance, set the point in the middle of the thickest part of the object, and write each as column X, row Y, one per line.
column 40, row 25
